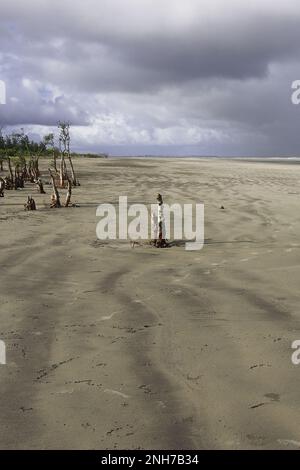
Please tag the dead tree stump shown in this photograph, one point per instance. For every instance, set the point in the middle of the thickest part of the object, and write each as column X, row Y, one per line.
column 40, row 186
column 7, row 183
column 30, row 204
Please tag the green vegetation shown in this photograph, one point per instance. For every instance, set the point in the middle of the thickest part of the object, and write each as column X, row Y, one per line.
column 18, row 144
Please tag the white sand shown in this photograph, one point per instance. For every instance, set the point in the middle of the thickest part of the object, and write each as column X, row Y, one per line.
column 113, row 347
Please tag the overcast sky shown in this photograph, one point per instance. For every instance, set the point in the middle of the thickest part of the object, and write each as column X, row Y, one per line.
column 176, row 77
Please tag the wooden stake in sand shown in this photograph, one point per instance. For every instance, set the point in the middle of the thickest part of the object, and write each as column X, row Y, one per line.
column 158, row 225
column 161, row 243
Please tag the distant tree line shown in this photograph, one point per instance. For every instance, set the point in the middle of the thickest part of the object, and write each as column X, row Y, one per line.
column 18, row 143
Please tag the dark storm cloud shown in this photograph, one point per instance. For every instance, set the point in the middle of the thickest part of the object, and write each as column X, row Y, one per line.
column 213, row 75
column 70, row 48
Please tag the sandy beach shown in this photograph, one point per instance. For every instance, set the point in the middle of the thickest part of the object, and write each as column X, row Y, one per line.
column 121, row 348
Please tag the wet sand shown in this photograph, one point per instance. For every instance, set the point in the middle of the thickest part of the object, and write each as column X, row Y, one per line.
column 114, row 347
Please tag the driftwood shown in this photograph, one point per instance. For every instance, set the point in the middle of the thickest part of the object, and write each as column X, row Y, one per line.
column 30, row 204
column 55, row 198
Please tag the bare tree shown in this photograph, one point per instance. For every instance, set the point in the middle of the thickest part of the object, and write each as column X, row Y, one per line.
column 55, row 199
column 69, row 193
column 64, row 144
column 50, row 144
column 11, row 176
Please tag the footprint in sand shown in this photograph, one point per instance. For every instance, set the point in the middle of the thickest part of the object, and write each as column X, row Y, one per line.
column 182, row 278
column 177, row 292
column 63, row 392
column 161, row 404
column 273, row 396
column 116, row 392
column 108, row 317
